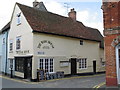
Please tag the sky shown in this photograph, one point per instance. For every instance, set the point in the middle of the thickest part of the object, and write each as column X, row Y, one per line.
column 89, row 12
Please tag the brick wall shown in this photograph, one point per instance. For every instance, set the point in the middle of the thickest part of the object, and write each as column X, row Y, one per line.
column 111, row 77
column 111, row 15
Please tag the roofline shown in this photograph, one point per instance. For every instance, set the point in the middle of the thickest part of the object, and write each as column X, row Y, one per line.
column 6, row 27
column 63, row 35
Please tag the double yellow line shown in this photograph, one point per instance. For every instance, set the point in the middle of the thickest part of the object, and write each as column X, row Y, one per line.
column 98, row 86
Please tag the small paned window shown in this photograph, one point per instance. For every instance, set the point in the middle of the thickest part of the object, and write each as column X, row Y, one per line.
column 81, row 42
column 103, row 63
column 3, row 40
column 11, row 45
column 18, row 43
column 51, row 65
column 83, row 63
column 46, row 64
column 19, row 18
column 41, row 64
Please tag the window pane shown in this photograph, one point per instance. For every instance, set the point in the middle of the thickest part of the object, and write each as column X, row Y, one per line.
column 47, row 63
column 19, row 64
column 82, row 63
column 18, row 41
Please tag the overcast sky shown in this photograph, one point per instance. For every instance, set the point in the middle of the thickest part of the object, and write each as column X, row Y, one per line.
column 88, row 11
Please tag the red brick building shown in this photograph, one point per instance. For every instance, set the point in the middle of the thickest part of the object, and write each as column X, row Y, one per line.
column 111, row 15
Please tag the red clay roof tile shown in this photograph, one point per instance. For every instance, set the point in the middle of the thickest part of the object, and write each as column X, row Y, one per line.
column 47, row 22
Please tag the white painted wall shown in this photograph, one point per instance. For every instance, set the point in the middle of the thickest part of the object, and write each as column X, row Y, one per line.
column 23, row 30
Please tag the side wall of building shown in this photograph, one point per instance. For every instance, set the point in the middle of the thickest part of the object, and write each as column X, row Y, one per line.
column 5, row 63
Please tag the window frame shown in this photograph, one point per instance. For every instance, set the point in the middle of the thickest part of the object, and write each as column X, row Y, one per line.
column 4, row 40
column 18, row 45
column 19, row 65
column 81, row 42
column 19, row 18
column 82, row 63
column 45, row 64
column 11, row 46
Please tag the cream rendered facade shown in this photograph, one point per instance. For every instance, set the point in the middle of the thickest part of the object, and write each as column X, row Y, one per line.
column 66, row 48
column 25, row 32
column 59, row 48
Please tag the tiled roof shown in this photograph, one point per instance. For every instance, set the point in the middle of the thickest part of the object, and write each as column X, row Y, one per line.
column 6, row 27
column 47, row 22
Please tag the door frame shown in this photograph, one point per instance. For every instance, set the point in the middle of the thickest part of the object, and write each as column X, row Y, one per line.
column 75, row 72
column 94, row 67
column 117, row 63
column 26, row 68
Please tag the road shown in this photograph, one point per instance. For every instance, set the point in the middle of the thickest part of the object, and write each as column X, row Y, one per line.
column 72, row 82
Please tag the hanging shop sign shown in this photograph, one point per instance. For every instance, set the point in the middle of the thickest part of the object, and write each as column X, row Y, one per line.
column 45, row 44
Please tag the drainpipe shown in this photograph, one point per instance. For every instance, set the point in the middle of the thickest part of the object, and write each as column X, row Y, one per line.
column 6, row 53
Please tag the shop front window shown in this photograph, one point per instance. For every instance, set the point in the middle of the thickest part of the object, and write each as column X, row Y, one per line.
column 19, row 64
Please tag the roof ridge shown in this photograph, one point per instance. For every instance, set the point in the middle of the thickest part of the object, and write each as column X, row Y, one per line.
column 48, row 12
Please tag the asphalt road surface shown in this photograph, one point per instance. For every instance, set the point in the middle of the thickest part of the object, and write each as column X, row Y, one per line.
column 72, row 82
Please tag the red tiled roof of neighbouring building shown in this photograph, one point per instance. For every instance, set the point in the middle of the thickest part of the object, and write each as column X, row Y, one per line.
column 47, row 22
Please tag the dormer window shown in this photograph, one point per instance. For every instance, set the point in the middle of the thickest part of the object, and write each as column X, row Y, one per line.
column 19, row 18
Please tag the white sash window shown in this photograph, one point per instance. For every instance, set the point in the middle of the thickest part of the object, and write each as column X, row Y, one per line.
column 83, row 63
column 46, row 64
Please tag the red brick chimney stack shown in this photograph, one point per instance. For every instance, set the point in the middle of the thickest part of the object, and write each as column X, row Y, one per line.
column 72, row 14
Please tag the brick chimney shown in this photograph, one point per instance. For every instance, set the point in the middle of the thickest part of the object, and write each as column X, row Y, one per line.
column 39, row 5
column 72, row 14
